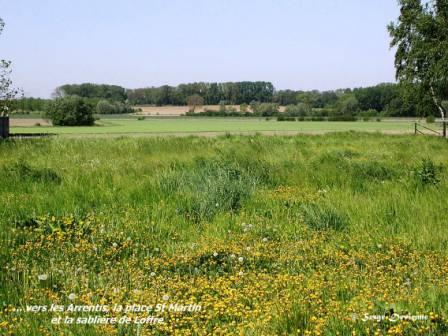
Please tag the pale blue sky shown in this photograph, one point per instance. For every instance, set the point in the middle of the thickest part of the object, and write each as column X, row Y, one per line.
column 301, row 44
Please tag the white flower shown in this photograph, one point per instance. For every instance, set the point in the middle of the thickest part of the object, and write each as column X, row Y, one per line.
column 72, row 296
column 240, row 259
column 232, row 256
column 42, row 277
column 215, row 254
column 153, row 274
column 248, row 248
column 265, row 240
column 241, row 273
column 217, row 204
column 137, row 291
column 156, row 249
column 165, row 297
column 114, row 245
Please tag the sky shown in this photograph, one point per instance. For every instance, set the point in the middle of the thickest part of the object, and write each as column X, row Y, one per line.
column 295, row 44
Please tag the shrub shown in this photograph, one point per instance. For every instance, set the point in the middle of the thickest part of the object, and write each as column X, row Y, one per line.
column 244, row 108
column 427, row 172
column 317, row 118
column 70, row 111
column 106, row 107
column 342, row 118
column 265, row 109
column 430, row 119
column 283, row 118
column 299, row 110
column 194, row 101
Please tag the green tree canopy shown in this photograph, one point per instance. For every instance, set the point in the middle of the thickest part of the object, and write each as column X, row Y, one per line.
column 70, row 111
column 7, row 92
column 421, row 39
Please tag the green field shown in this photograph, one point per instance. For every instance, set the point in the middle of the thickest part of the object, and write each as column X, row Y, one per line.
column 220, row 125
column 299, row 235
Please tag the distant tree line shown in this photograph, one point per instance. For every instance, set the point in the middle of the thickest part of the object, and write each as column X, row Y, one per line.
column 383, row 99
column 89, row 90
column 233, row 93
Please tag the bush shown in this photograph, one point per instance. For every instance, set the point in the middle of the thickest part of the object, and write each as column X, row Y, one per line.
column 106, row 107
column 427, row 172
column 283, row 118
column 342, row 118
column 430, row 119
column 299, row 110
column 367, row 115
column 244, row 108
column 70, row 111
column 265, row 109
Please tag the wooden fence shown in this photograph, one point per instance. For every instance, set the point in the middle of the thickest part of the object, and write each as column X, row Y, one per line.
column 422, row 129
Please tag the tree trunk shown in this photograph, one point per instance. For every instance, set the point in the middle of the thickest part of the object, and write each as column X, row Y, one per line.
column 437, row 103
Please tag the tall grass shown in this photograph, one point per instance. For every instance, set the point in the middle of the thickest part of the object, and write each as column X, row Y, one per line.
column 171, row 193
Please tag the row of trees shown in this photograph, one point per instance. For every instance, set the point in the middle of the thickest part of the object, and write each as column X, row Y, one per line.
column 389, row 99
column 234, row 93
column 99, row 106
column 90, row 90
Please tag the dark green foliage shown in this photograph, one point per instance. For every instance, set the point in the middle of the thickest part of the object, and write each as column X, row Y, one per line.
column 111, row 107
column 420, row 37
column 427, row 172
column 265, row 109
column 299, row 110
column 392, row 99
column 283, row 118
column 89, row 90
column 70, row 111
column 212, row 93
column 430, row 119
column 26, row 105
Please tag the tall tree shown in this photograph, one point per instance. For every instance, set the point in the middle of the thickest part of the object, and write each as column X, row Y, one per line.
column 421, row 39
column 7, row 92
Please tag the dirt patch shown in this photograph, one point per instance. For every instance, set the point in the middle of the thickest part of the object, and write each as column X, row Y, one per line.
column 180, row 110
column 19, row 122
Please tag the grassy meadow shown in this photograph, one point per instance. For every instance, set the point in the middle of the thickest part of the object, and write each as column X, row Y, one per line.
column 150, row 125
column 284, row 235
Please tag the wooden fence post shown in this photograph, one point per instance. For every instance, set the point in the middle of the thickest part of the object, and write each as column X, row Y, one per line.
column 444, row 129
column 415, row 128
column 4, row 127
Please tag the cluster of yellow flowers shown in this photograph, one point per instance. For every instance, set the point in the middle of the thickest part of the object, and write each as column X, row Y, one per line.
column 242, row 283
